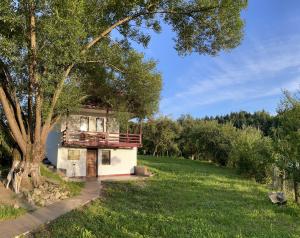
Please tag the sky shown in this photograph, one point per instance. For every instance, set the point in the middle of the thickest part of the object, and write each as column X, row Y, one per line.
column 250, row 77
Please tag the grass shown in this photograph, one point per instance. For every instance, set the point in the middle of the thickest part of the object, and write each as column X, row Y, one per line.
column 184, row 199
column 73, row 187
column 9, row 212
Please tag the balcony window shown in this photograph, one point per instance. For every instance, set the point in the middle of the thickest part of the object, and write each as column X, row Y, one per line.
column 100, row 124
column 84, row 123
column 112, row 125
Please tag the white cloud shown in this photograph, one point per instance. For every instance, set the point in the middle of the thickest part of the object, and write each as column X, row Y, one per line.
column 261, row 70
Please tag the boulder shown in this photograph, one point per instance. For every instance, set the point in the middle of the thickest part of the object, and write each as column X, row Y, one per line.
column 37, row 191
column 46, row 194
column 141, row 171
column 277, row 198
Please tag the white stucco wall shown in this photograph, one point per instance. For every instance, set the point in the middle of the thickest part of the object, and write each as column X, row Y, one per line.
column 122, row 162
column 74, row 167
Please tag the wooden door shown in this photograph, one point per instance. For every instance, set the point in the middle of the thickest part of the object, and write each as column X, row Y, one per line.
column 91, row 163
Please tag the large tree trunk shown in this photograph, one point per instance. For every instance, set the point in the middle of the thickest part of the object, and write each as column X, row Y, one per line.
column 296, row 191
column 155, row 150
column 33, row 164
column 28, row 167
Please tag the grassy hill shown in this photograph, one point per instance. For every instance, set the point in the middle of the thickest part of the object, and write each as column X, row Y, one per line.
column 184, row 199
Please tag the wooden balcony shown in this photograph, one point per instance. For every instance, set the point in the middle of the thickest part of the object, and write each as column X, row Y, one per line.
column 100, row 139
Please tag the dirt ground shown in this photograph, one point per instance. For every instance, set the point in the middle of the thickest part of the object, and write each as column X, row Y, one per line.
column 8, row 197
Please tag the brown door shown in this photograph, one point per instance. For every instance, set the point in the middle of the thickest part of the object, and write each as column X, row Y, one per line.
column 91, row 163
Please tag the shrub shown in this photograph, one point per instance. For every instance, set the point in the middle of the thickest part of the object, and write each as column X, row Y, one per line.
column 252, row 154
column 212, row 140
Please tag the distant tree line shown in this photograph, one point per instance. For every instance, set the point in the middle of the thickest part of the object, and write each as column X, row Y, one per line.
column 261, row 120
column 253, row 143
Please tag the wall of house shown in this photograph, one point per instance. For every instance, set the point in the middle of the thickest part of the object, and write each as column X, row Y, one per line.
column 74, row 122
column 74, row 168
column 53, row 142
column 122, row 162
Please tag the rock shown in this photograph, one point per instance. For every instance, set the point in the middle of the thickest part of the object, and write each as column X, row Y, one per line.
column 37, row 191
column 46, row 194
column 42, row 203
column 30, row 201
column 63, row 197
column 141, row 171
column 16, row 206
column 57, row 195
column 277, row 198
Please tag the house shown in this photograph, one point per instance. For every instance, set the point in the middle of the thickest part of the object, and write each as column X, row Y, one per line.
column 89, row 144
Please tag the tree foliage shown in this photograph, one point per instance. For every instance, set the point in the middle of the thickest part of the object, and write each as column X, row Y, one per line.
column 246, row 149
column 55, row 55
column 160, row 136
column 252, row 154
column 261, row 120
column 287, row 142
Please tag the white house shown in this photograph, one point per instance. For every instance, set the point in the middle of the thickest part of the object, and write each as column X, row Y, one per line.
column 89, row 144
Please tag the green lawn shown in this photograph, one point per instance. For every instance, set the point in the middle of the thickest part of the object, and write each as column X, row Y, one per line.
column 73, row 187
column 9, row 212
column 184, row 199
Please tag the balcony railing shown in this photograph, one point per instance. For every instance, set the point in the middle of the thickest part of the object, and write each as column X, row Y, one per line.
column 101, row 139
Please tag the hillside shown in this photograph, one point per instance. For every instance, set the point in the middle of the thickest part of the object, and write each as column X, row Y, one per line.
column 184, row 199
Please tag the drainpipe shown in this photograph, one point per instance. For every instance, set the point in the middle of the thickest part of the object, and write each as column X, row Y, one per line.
column 67, row 120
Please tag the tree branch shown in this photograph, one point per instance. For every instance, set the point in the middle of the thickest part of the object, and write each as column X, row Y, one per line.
column 107, row 64
column 141, row 13
column 101, row 36
column 12, row 97
column 33, row 75
column 12, row 121
column 49, row 127
column 54, row 121
column 56, row 97
column 106, row 32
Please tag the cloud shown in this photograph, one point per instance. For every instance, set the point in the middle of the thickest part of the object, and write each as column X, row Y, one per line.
column 257, row 70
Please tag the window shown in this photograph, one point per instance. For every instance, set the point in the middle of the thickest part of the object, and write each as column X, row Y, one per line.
column 73, row 154
column 100, row 124
column 112, row 125
column 106, row 157
column 84, row 123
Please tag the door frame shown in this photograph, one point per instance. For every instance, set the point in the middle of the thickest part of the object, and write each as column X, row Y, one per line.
column 96, row 161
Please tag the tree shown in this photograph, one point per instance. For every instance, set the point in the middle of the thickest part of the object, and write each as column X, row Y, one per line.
column 288, row 139
column 260, row 120
column 251, row 153
column 48, row 46
column 160, row 136
column 186, row 143
column 210, row 140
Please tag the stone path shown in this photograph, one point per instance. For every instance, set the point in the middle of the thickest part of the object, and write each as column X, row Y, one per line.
column 31, row 221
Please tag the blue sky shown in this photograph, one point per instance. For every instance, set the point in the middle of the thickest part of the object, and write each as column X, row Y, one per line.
column 250, row 77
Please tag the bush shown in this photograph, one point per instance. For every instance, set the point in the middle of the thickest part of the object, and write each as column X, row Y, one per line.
column 212, row 140
column 252, row 154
